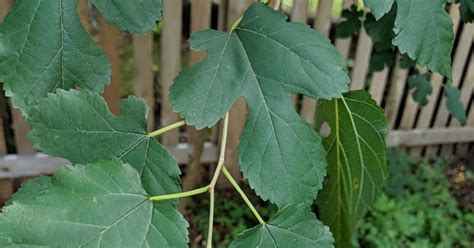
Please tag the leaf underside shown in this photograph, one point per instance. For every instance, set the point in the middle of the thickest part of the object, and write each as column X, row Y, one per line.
column 94, row 205
column 292, row 226
column 265, row 59
column 132, row 16
column 43, row 47
column 356, row 161
column 424, row 31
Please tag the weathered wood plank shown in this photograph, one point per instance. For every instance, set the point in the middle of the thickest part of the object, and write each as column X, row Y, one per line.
column 420, row 137
column 170, row 63
column 378, row 84
column 322, row 23
column 362, row 59
column 143, row 78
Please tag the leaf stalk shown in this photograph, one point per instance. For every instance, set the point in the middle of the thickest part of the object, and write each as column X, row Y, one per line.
column 220, row 164
column 181, row 194
column 242, row 194
column 166, row 129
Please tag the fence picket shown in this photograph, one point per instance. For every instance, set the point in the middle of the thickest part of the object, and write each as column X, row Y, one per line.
column 170, row 63
column 322, row 23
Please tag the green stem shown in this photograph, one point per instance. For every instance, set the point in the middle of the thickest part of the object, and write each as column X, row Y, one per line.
column 242, row 194
column 167, row 128
column 180, row 195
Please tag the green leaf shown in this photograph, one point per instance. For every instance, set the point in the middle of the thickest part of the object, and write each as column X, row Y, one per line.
column 406, row 62
column 381, row 31
column 95, row 205
column 31, row 189
column 453, row 104
column 467, row 10
column 423, row 88
column 132, row 16
column 265, row 59
column 425, row 32
column 356, row 161
column 379, row 7
column 79, row 127
column 43, row 47
column 292, row 226
column 352, row 23
column 381, row 58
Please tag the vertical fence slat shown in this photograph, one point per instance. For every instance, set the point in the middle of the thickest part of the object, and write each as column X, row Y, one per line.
column 461, row 56
column 362, row 59
column 111, row 40
column 466, row 92
column 396, row 93
column 200, row 19
column 344, row 45
column 238, row 112
column 441, row 116
column 170, row 63
column 463, row 149
column 322, row 23
column 143, row 80
column 426, row 113
column 378, row 84
column 300, row 11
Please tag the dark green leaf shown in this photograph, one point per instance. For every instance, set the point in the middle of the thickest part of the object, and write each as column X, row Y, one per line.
column 79, row 127
column 381, row 58
column 356, row 161
column 265, row 59
column 381, row 31
column 422, row 88
column 454, row 105
column 43, row 47
column 406, row 62
column 467, row 10
column 95, row 205
column 351, row 24
column 292, row 226
column 132, row 16
column 379, row 7
column 425, row 32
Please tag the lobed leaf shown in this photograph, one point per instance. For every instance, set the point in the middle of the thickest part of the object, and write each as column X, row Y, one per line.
column 78, row 126
column 292, row 226
column 467, row 10
column 265, row 59
column 351, row 24
column 94, row 205
column 43, row 47
column 356, row 161
column 132, row 16
column 424, row 31
column 381, row 31
column 422, row 88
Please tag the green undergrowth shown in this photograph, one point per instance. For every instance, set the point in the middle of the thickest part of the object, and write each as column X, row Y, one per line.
column 417, row 209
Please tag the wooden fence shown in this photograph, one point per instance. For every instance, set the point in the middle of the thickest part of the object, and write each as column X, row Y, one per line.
column 425, row 132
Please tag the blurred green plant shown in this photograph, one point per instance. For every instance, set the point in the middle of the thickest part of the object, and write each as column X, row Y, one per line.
column 417, row 209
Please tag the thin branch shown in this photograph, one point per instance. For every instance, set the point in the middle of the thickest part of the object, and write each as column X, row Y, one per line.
column 220, row 164
column 242, row 194
column 166, row 129
column 180, row 195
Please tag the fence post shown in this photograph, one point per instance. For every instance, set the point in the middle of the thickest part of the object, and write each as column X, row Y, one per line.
column 111, row 40
column 200, row 20
column 322, row 23
column 170, row 63
column 143, row 80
